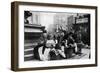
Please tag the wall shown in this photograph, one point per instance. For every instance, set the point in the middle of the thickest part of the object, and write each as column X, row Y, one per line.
column 44, row 20
column 5, row 37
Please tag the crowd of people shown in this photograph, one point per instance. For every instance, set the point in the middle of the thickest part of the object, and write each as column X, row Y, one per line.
column 59, row 46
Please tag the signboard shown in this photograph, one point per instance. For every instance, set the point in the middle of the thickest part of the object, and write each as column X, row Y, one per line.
column 82, row 20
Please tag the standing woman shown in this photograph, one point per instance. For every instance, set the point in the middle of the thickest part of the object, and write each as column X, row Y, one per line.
column 71, row 46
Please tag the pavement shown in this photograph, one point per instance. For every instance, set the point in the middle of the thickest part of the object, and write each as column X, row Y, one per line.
column 84, row 55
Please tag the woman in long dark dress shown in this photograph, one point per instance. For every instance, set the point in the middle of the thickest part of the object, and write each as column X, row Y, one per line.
column 71, row 45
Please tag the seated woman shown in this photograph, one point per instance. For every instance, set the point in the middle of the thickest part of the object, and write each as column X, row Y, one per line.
column 38, row 51
column 51, row 45
column 54, row 49
column 41, row 52
column 60, row 51
column 45, row 51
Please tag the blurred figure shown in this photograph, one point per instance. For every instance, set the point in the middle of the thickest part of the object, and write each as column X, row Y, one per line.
column 79, row 42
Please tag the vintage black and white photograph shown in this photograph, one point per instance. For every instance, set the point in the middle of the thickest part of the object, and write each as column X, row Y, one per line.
column 56, row 36
column 53, row 36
